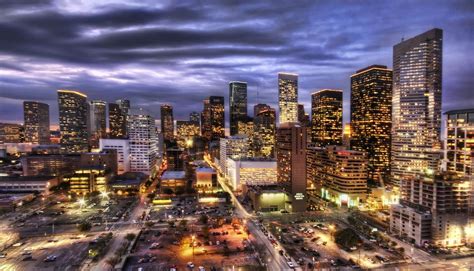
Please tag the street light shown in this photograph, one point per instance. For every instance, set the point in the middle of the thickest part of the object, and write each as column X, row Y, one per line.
column 104, row 194
column 81, row 202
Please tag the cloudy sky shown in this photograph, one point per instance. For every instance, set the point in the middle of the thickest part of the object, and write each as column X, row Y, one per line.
column 180, row 52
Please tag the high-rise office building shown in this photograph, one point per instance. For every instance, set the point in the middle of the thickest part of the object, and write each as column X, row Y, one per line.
column 291, row 161
column 265, row 133
column 459, row 142
column 73, row 118
column 216, row 105
column 326, row 110
column 11, row 133
column 36, row 116
column 142, row 141
column 117, row 122
column 288, row 97
column 235, row 147
column 97, row 122
column 206, row 129
column 185, row 132
column 124, row 105
column 259, row 108
column 371, row 118
column 167, row 121
column 416, row 113
column 195, row 117
column 237, row 104
column 337, row 174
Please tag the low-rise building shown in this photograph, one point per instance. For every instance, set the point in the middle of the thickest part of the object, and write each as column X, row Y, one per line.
column 251, row 171
column 206, row 180
column 25, row 184
column 235, row 147
column 49, row 164
column 89, row 179
column 173, row 181
column 267, row 198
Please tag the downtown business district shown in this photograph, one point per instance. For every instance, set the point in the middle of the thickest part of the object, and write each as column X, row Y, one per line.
column 389, row 168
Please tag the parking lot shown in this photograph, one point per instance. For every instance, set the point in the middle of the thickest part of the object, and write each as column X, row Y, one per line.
column 65, row 252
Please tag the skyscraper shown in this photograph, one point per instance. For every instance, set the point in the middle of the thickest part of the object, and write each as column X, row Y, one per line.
column 142, row 141
column 73, row 115
column 459, row 142
column 371, row 117
column 326, row 110
column 206, row 129
column 265, row 133
column 288, row 97
column 291, row 161
column 259, row 108
column 216, row 106
column 416, row 119
column 237, row 104
column 117, row 122
column 98, row 122
column 185, row 131
column 167, row 122
column 36, row 116
column 195, row 117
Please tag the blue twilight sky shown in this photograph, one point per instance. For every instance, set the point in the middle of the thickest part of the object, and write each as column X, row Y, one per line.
column 180, row 52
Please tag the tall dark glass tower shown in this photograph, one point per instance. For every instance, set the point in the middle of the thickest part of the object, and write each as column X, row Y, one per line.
column 416, row 119
column 371, row 118
column 36, row 116
column 167, row 122
column 73, row 115
column 326, row 110
column 237, row 104
column 288, row 97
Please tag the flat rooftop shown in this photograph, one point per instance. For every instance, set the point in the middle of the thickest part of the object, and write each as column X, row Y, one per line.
column 168, row 175
column 205, row 169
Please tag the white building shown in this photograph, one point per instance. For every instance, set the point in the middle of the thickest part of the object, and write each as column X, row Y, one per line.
column 143, row 142
column 251, row 172
column 122, row 147
column 235, row 147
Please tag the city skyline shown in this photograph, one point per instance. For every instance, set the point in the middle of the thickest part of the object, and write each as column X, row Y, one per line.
column 327, row 59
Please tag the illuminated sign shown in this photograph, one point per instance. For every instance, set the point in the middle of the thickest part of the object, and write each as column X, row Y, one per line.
column 299, row 196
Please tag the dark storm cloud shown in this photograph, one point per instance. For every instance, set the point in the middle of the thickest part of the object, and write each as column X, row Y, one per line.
column 180, row 54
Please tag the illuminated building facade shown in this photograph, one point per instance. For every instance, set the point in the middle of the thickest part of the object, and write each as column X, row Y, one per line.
column 237, row 104
column 326, row 110
column 291, row 163
column 251, row 172
column 235, row 147
column 173, row 181
column 142, row 141
column 265, row 133
column 73, row 118
column 36, row 116
column 217, row 117
column 246, row 127
column 185, row 132
column 195, row 117
column 11, row 133
column 206, row 179
column 117, row 122
column 167, row 122
column 371, row 118
column 337, row 174
column 288, row 97
column 88, row 179
column 206, row 128
column 97, row 122
column 434, row 209
column 416, row 113
column 459, row 142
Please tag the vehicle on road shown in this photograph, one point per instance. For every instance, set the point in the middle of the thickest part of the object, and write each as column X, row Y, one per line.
column 50, row 258
column 190, row 265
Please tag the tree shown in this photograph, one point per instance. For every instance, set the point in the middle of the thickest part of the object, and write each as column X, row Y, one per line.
column 130, row 236
column 204, row 219
column 149, row 224
column 168, row 191
column 151, row 196
column 347, row 238
column 112, row 261
column 183, row 223
column 84, row 226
